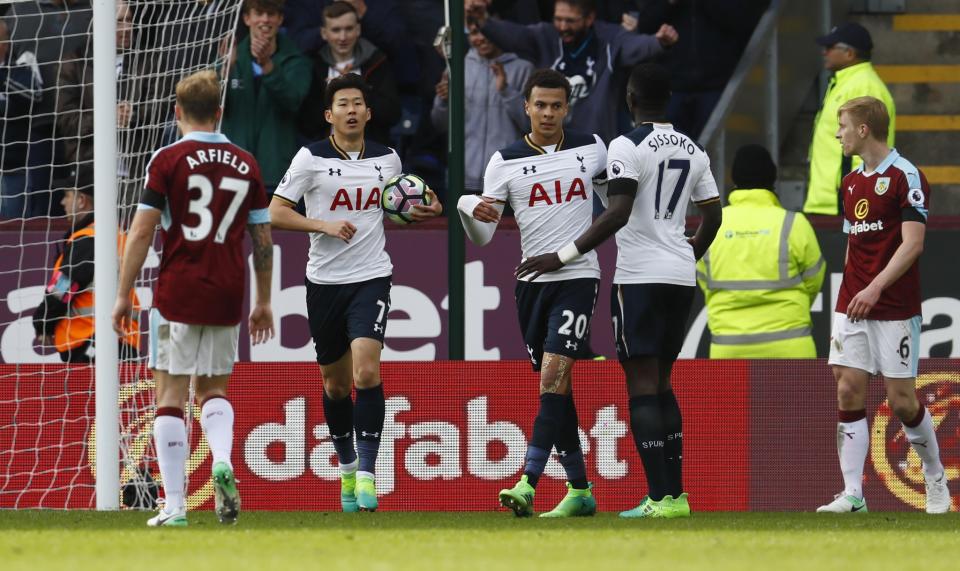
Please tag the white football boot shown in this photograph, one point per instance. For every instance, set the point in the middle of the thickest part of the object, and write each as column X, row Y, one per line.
column 166, row 519
column 938, row 495
column 844, row 503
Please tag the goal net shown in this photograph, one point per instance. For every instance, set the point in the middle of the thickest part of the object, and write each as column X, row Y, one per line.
column 47, row 406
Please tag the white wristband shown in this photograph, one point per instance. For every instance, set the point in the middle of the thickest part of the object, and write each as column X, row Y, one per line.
column 569, row 253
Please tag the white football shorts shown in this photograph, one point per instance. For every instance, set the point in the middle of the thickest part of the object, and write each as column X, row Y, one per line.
column 190, row 349
column 891, row 348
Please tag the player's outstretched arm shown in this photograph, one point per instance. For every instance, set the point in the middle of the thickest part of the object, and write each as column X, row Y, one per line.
column 712, row 212
column 420, row 212
column 261, row 316
column 134, row 253
column 621, row 194
column 284, row 217
column 906, row 254
column 480, row 216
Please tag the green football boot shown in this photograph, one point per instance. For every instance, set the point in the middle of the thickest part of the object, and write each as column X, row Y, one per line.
column 226, row 495
column 519, row 498
column 348, row 492
column 577, row 503
column 647, row 509
column 366, row 494
column 676, row 507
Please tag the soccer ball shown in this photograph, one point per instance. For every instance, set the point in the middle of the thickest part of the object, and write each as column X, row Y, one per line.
column 401, row 194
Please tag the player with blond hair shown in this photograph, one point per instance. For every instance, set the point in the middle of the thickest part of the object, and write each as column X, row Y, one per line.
column 203, row 191
column 876, row 324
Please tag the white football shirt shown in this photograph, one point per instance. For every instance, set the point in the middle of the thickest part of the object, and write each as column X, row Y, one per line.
column 670, row 169
column 336, row 186
column 551, row 193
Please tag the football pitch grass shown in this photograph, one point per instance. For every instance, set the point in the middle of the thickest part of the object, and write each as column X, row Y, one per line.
column 81, row 540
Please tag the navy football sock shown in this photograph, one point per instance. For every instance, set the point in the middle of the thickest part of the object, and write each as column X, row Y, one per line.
column 545, row 429
column 673, row 444
column 568, row 447
column 339, row 415
column 368, row 420
column 646, row 424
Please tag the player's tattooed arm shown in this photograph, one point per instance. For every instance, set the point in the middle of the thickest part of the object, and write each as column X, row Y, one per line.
column 621, row 193
column 262, row 247
column 261, row 315
column 709, row 226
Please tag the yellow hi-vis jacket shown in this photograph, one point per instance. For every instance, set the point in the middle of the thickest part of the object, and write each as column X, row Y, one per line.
column 77, row 327
column 760, row 277
column 827, row 163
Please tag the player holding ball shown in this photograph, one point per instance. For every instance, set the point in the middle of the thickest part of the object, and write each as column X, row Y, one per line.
column 341, row 180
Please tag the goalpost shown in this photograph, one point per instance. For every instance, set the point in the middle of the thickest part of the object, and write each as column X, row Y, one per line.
column 53, row 452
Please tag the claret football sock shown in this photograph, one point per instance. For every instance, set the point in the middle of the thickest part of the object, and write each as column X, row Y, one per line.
column 923, row 438
column 673, row 441
column 339, row 415
column 646, row 424
column 216, row 418
column 853, row 442
column 368, row 421
column 568, row 448
column 546, row 427
column 170, row 439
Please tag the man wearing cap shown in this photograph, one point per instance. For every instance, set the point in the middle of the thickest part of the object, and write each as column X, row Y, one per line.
column 65, row 316
column 846, row 52
column 762, row 272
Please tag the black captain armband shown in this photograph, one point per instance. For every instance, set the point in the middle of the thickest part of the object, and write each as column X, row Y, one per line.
column 153, row 198
column 911, row 214
column 623, row 186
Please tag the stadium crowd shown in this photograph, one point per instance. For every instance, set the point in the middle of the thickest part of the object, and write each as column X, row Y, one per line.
column 287, row 50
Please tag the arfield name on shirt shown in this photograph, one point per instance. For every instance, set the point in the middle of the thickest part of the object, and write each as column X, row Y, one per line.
column 214, row 155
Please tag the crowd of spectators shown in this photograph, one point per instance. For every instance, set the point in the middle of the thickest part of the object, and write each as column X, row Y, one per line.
column 286, row 51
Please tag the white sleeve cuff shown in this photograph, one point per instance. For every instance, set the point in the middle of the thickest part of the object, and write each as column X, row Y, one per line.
column 468, row 202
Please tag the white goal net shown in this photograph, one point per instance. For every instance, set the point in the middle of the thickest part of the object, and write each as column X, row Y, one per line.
column 47, row 405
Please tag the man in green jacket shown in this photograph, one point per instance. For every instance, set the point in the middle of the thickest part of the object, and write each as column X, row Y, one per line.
column 846, row 52
column 763, row 271
column 269, row 79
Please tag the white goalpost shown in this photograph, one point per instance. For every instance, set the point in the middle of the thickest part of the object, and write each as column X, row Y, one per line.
column 91, row 86
column 105, row 248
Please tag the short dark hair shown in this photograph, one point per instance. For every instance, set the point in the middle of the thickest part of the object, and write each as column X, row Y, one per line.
column 586, row 7
column 347, row 81
column 268, row 6
column 649, row 87
column 339, row 8
column 549, row 79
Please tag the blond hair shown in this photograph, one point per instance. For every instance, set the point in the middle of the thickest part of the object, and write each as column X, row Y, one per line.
column 198, row 96
column 868, row 111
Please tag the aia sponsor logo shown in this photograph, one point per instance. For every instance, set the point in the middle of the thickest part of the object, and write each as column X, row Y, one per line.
column 556, row 195
column 359, row 199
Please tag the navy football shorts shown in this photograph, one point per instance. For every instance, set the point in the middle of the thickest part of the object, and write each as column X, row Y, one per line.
column 555, row 317
column 340, row 313
column 650, row 320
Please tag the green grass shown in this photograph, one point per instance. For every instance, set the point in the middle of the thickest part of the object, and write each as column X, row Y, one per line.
column 77, row 541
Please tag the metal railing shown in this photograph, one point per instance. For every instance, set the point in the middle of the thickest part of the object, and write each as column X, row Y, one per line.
column 769, row 85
